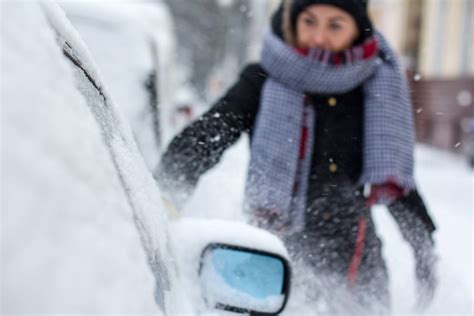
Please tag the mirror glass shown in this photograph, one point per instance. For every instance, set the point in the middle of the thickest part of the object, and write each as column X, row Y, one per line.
column 242, row 279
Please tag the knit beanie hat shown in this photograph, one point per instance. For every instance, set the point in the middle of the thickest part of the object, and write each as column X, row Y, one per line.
column 284, row 19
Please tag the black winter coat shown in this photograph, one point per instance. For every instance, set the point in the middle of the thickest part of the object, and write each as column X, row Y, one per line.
column 337, row 148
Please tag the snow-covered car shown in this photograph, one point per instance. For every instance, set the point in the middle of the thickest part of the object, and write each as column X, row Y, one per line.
column 83, row 225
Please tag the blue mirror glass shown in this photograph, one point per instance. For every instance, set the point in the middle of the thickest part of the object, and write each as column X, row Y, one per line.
column 246, row 280
column 257, row 275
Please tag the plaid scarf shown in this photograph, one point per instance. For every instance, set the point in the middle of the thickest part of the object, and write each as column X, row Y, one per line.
column 282, row 143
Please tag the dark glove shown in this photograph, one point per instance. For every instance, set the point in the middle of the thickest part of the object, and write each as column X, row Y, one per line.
column 417, row 228
column 384, row 193
column 426, row 277
column 271, row 220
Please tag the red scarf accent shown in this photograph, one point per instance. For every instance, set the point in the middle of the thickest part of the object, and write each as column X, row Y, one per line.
column 365, row 51
column 303, row 144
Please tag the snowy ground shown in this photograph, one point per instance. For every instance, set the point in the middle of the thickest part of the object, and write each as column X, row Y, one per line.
column 446, row 183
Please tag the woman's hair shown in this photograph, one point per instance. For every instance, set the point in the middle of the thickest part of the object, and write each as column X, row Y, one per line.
column 288, row 29
column 284, row 19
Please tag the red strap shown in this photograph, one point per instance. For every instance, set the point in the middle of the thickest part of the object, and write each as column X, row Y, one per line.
column 304, row 142
column 357, row 257
column 302, row 51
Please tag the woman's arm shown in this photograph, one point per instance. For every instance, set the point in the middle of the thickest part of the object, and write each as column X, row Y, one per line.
column 413, row 219
column 200, row 146
column 417, row 228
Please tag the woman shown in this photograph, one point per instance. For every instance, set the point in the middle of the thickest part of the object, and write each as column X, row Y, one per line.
column 328, row 113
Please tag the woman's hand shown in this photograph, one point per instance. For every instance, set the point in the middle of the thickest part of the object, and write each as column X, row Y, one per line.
column 417, row 229
column 271, row 220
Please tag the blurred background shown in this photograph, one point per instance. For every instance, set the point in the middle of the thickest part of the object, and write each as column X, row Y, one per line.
column 202, row 45
column 435, row 39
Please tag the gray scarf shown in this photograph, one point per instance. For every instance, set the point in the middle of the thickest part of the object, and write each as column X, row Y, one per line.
column 278, row 178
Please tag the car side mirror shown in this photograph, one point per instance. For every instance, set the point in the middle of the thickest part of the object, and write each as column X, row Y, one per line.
column 244, row 280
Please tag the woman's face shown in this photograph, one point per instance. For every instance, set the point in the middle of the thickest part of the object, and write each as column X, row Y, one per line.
column 325, row 27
